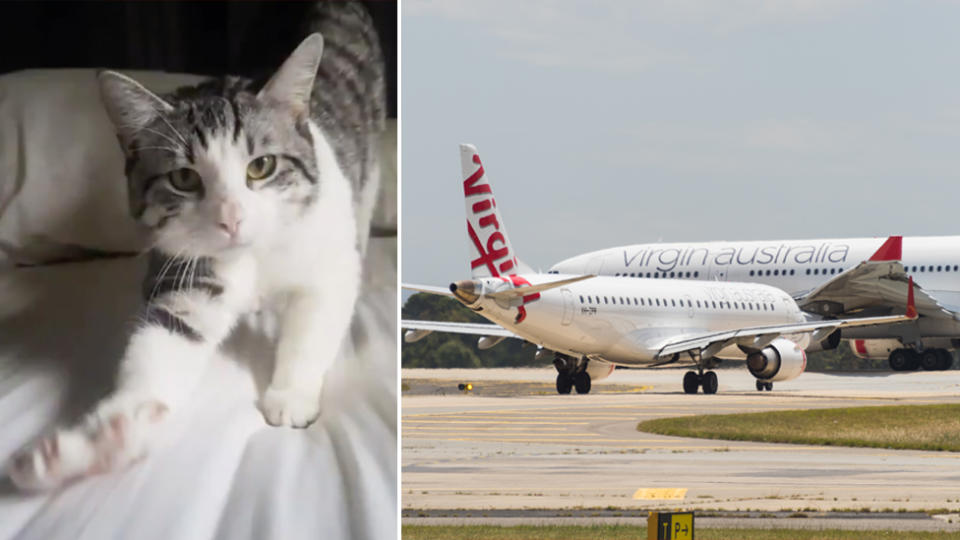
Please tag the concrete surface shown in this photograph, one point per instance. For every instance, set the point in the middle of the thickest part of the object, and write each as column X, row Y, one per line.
column 583, row 451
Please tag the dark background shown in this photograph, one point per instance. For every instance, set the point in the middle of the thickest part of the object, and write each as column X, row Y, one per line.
column 249, row 38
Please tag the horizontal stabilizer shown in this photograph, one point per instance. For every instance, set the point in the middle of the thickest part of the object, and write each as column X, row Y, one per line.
column 519, row 292
column 429, row 289
column 476, row 329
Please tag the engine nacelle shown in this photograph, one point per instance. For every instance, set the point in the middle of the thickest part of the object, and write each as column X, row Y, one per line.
column 827, row 344
column 599, row 370
column 486, row 342
column 782, row 360
column 874, row 349
column 411, row 336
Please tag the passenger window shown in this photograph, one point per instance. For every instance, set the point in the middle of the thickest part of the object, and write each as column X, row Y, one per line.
column 792, row 271
column 808, row 271
column 696, row 274
column 671, row 275
column 938, row 268
column 688, row 274
column 714, row 304
column 673, row 302
column 816, row 271
column 922, row 268
column 751, row 272
column 581, row 299
column 605, row 300
column 776, row 272
column 658, row 302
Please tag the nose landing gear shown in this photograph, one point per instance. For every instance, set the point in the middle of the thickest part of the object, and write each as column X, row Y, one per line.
column 572, row 374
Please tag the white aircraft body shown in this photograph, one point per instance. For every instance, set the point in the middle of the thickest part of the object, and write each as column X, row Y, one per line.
column 591, row 323
column 828, row 277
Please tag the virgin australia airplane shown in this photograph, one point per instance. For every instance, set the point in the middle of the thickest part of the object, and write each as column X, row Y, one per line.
column 836, row 277
column 591, row 324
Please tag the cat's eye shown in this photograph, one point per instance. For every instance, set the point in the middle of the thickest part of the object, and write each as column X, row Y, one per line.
column 261, row 167
column 185, row 179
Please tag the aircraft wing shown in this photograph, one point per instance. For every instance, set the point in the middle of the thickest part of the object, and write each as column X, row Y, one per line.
column 875, row 285
column 758, row 337
column 477, row 329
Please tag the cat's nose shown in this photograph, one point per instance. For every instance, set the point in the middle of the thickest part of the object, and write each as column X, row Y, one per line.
column 230, row 226
column 229, row 218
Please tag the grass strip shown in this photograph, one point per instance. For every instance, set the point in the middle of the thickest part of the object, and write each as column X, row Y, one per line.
column 913, row 427
column 617, row 532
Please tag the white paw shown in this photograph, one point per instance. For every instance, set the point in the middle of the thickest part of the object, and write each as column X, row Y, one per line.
column 82, row 451
column 290, row 407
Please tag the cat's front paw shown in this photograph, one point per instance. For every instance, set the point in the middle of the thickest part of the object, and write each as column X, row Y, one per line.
column 290, row 407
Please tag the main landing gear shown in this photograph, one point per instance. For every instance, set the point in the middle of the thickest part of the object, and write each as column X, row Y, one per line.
column 571, row 374
column 761, row 386
column 693, row 380
column 929, row 360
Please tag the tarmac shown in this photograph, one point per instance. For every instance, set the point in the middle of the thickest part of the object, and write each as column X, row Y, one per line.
column 540, row 450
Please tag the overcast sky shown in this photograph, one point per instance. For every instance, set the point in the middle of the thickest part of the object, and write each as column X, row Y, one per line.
column 611, row 123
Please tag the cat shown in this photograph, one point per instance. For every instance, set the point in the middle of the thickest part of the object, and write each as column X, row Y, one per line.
column 259, row 199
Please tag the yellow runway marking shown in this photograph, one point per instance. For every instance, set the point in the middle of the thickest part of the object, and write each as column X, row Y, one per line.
column 660, row 494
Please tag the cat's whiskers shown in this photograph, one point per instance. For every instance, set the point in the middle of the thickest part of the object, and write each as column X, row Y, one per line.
column 159, row 133
column 163, row 272
column 174, row 130
column 167, row 148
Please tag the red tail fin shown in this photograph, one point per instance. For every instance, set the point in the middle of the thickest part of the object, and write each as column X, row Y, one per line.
column 891, row 250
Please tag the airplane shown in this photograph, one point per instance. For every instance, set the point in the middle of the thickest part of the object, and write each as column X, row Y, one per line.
column 590, row 323
column 824, row 278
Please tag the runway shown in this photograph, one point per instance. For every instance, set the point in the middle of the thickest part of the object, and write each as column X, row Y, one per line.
column 583, row 451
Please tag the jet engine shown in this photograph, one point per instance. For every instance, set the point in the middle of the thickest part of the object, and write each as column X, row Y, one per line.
column 599, row 370
column 874, row 349
column 782, row 360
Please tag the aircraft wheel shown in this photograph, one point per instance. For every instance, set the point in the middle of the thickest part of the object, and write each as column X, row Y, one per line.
column 582, row 382
column 691, row 381
column 564, row 383
column 929, row 359
column 768, row 386
column 913, row 360
column 760, row 386
column 710, row 383
column 946, row 359
column 899, row 360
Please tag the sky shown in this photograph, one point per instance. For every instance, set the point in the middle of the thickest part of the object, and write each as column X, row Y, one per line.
column 607, row 123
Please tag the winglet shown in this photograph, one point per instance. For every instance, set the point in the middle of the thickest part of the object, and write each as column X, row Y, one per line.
column 891, row 250
column 911, row 306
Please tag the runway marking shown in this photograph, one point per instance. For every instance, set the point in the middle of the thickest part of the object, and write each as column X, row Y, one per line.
column 494, row 428
column 700, row 408
column 572, row 415
column 660, row 494
column 497, row 421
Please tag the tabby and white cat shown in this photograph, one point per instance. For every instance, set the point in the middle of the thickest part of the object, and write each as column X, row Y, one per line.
column 259, row 199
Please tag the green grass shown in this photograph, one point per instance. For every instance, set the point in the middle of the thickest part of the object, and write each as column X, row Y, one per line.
column 917, row 427
column 632, row 532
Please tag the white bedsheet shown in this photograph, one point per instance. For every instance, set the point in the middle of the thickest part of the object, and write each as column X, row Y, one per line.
column 222, row 472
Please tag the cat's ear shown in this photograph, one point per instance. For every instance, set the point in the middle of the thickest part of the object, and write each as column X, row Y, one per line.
column 292, row 84
column 129, row 104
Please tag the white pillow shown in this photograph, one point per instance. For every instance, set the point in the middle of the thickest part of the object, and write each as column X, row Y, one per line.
column 62, row 185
